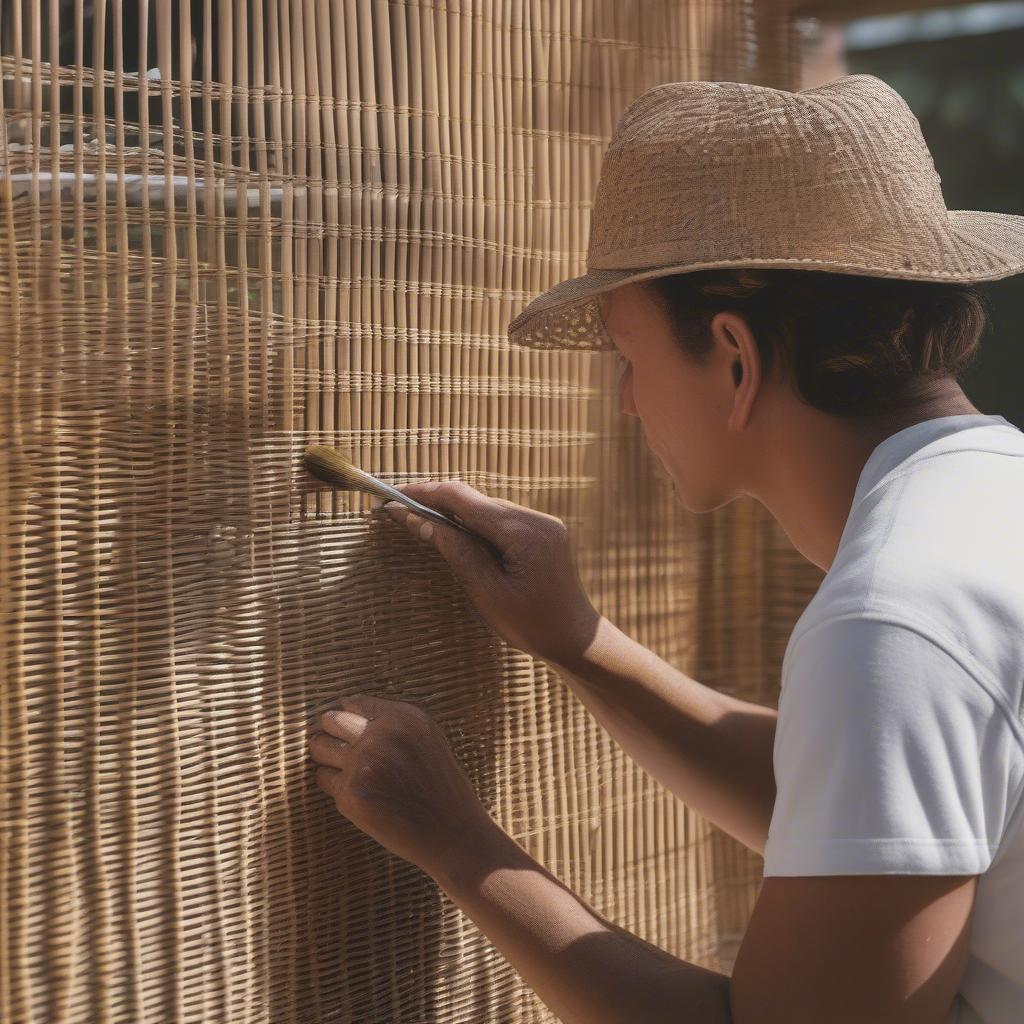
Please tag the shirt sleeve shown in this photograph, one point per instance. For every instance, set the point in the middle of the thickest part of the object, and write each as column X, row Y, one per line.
column 890, row 757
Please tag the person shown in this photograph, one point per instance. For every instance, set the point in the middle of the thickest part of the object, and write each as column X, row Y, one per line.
column 790, row 304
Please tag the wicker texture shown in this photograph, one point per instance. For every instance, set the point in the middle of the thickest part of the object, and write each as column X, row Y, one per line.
column 730, row 174
column 318, row 233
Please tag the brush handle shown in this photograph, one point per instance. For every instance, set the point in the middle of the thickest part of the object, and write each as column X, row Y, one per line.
column 429, row 513
column 438, row 517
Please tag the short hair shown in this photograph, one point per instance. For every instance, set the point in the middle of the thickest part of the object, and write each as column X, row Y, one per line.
column 856, row 345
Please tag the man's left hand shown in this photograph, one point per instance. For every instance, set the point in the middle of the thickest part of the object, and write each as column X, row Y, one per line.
column 390, row 771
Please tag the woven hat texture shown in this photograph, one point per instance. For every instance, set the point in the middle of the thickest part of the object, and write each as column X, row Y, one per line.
column 724, row 174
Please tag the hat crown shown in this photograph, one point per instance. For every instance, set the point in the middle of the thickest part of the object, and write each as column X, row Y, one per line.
column 835, row 179
column 701, row 171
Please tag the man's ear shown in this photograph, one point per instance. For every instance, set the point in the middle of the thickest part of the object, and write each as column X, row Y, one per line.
column 738, row 348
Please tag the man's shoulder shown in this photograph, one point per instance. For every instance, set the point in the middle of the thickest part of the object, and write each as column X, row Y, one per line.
column 938, row 546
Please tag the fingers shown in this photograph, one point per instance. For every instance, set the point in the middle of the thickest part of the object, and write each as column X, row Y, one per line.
column 342, row 727
column 465, row 554
column 365, row 704
column 334, row 748
column 349, row 719
column 331, row 753
column 343, row 724
column 420, row 528
column 486, row 516
column 328, row 750
column 330, row 780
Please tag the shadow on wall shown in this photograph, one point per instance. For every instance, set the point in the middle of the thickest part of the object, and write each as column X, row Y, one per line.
column 187, row 617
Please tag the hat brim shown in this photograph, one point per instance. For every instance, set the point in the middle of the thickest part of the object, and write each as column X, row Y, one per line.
column 981, row 246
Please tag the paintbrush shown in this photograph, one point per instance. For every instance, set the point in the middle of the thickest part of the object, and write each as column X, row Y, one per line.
column 334, row 468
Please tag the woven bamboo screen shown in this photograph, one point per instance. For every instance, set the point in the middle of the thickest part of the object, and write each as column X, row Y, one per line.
column 230, row 229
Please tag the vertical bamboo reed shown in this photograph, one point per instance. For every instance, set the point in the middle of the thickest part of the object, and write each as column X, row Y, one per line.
column 232, row 227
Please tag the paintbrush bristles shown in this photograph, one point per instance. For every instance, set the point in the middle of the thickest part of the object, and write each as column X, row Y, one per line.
column 331, row 466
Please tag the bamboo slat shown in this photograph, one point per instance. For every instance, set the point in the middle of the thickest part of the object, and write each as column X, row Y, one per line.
column 231, row 228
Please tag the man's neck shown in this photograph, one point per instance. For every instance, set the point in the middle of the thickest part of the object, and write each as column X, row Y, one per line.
column 809, row 480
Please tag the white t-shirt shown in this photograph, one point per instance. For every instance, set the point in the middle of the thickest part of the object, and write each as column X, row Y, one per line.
column 900, row 739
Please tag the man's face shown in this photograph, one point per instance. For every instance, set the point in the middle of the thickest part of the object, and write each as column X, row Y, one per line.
column 683, row 408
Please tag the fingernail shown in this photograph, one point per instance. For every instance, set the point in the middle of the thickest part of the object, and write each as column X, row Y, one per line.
column 426, row 531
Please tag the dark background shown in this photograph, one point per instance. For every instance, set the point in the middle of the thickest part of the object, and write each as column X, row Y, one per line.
column 968, row 94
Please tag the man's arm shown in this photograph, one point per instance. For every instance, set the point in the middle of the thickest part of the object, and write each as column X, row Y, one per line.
column 584, row 968
column 889, row 949
column 712, row 751
column 847, row 949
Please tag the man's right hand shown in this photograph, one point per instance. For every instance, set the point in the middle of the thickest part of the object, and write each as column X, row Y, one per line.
column 712, row 750
column 535, row 600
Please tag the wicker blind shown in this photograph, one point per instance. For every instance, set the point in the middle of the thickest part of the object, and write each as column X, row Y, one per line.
column 228, row 230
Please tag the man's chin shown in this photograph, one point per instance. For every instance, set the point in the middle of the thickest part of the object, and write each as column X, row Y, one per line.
column 694, row 506
column 678, row 494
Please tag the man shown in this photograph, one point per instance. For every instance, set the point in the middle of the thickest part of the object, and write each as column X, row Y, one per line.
column 790, row 303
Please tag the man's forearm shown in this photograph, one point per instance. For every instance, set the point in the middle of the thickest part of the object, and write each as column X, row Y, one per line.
column 585, row 969
column 712, row 751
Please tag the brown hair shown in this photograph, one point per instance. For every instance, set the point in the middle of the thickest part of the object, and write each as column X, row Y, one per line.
column 856, row 345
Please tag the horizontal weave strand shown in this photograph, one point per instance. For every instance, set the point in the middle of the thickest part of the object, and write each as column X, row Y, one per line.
column 319, row 232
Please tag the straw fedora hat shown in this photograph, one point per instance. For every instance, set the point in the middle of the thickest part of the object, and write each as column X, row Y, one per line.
column 723, row 174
